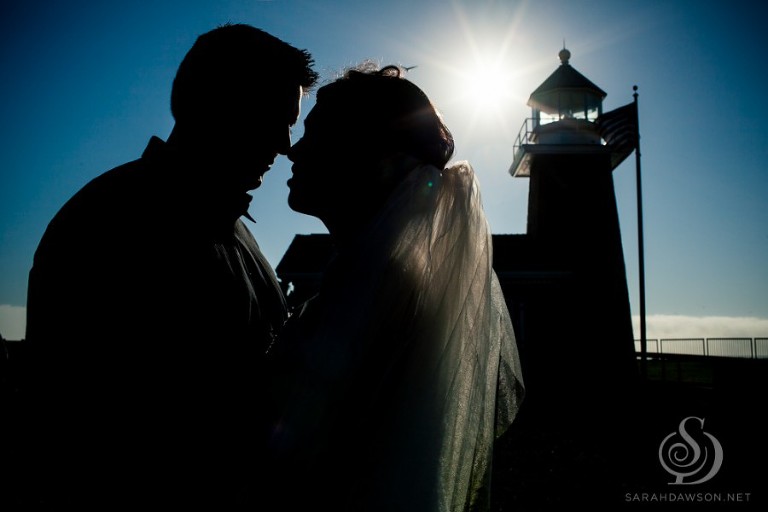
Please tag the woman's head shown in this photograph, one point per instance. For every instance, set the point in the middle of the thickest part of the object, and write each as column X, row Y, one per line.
column 389, row 114
column 361, row 124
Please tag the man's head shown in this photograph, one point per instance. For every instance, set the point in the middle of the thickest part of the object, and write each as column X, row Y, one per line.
column 235, row 96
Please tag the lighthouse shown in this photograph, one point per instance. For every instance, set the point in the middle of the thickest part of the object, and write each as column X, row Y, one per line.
column 566, row 276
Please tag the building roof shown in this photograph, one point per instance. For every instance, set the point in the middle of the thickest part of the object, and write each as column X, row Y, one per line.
column 524, row 253
column 565, row 77
column 307, row 254
column 527, row 269
column 310, row 254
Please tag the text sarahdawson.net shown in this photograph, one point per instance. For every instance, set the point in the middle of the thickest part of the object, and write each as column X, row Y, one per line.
column 688, row 497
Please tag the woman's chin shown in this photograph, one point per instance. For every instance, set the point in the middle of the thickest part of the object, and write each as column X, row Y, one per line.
column 298, row 203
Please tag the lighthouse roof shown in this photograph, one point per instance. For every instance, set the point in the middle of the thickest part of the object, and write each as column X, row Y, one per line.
column 564, row 78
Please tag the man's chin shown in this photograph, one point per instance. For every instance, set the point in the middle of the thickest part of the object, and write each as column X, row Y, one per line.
column 254, row 183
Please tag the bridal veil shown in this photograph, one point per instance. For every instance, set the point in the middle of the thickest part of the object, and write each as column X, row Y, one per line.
column 395, row 381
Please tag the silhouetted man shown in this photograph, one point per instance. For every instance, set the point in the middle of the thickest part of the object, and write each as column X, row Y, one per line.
column 150, row 305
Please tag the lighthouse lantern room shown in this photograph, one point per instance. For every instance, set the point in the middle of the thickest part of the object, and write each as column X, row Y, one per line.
column 563, row 112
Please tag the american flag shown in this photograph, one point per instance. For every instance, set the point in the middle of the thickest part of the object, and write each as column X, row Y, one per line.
column 619, row 129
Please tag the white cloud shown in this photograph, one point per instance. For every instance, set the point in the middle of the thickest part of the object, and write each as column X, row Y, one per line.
column 13, row 321
column 680, row 326
column 13, row 325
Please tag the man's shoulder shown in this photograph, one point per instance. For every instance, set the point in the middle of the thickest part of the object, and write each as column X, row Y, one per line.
column 115, row 180
column 127, row 182
column 100, row 206
column 105, row 191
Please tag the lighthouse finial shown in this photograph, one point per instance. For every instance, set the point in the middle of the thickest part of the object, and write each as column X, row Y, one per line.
column 564, row 54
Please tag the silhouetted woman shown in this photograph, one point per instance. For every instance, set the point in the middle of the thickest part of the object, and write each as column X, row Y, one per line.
column 393, row 382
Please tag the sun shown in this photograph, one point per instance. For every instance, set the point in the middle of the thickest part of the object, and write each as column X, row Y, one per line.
column 479, row 72
column 487, row 86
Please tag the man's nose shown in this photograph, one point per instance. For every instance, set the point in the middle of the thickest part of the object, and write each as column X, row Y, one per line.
column 284, row 142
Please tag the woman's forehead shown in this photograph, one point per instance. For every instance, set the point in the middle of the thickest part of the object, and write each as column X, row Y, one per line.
column 326, row 114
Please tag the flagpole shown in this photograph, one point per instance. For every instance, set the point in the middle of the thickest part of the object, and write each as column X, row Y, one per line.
column 640, row 250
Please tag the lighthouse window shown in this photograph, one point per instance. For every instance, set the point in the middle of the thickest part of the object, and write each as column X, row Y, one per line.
column 548, row 118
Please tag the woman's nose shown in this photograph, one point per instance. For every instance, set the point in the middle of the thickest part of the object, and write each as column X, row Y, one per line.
column 294, row 151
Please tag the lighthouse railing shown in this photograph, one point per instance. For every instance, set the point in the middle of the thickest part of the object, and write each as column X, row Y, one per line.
column 535, row 131
column 524, row 137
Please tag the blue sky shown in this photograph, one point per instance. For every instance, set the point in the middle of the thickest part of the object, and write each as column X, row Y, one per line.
column 86, row 84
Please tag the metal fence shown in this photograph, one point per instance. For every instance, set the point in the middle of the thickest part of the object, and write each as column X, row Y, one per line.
column 750, row 348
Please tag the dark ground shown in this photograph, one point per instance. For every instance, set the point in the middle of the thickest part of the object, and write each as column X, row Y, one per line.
column 609, row 461
column 569, row 458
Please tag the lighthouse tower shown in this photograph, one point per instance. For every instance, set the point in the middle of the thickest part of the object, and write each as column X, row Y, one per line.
column 578, row 341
